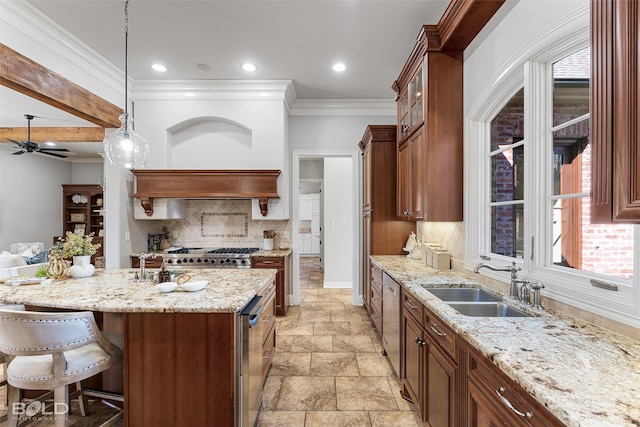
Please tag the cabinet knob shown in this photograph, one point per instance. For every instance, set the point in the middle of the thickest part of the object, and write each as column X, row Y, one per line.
column 420, row 341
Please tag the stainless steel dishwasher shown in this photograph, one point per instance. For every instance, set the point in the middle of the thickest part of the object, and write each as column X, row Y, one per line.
column 391, row 320
column 250, row 362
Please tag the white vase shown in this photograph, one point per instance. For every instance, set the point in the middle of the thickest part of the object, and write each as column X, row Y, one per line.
column 81, row 267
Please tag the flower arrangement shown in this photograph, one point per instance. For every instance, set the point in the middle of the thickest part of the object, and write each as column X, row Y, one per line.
column 75, row 245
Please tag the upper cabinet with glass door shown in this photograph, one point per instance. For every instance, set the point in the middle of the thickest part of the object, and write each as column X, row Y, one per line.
column 411, row 105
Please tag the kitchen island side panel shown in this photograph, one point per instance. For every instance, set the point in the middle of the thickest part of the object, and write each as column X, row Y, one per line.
column 180, row 368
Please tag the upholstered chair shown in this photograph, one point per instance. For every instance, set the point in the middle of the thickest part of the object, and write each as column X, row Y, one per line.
column 50, row 351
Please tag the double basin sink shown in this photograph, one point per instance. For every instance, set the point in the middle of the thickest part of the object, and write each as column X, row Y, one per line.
column 475, row 302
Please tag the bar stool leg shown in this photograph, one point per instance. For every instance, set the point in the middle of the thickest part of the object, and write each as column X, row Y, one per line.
column 14, row 397
column 83, row 401
column 61, row 396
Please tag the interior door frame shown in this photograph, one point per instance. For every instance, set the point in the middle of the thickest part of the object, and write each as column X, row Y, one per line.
column 297, row 155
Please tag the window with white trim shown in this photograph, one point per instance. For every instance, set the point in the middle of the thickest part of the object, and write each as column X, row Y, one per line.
column 535, row 208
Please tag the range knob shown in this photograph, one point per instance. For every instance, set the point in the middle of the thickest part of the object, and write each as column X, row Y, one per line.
column 234, row 261
column 213, row 261
column 206, row 260
column 169, row 261
column 243, row 261
column 190, row 259
column 199, row 260
column 178, row 261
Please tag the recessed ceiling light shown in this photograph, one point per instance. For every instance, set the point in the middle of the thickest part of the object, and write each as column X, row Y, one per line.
column 249, row 67
column 339, row 67
column 203, row 67
column 159, row 68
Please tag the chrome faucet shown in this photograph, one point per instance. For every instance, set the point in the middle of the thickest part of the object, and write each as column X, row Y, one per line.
column 513, row 289
column 142, row 257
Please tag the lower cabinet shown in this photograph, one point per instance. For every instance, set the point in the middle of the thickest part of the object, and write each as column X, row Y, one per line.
column 430, row 373
column 283, row 278
column 268, row 330
column 495, row 400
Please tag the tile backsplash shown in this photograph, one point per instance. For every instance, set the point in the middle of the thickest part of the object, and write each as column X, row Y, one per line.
column 449, row 234
column 217, row 223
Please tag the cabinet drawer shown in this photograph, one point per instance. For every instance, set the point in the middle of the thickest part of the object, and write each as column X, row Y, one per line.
column 267, row 262
column 441, row 333
column 148, row 263
column 413, row 306
column 376, row 285
column 268, row 318
column 376, row 272
column 268, row 351
column 513, row 402
column 376, row 320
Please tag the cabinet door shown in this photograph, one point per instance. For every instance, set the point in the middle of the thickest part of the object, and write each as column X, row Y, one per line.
column 481, row 412
column 413, row 353
column 305, row 243
column 315, row 205
column 305, row 207
column 441, row 389
column 315, row 244
column 416, row 176
column 615, row 139
column 404, row 154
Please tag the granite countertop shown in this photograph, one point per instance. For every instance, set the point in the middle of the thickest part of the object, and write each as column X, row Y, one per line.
column 258, row 253
column 274, row 252
column 584, row 374
column 112, row 290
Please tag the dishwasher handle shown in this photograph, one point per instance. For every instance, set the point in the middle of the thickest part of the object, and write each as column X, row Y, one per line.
column 393, row 291
column 254, row 318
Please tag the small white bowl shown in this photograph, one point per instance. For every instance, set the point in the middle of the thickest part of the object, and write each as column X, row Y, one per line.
column 196, row 285
column 167, row 286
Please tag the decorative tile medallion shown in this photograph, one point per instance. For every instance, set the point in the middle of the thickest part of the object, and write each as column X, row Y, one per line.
column 224, row 224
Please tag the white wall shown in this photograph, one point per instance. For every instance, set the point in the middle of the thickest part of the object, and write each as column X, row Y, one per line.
column 87, row 173
column 31, row 198
column 339, row 232
column 331, row 132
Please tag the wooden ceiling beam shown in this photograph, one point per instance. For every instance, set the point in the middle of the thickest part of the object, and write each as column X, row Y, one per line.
column 56, row 134
column 32, row 79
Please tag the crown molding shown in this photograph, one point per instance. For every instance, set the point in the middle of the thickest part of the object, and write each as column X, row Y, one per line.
column 344, row 107
column 214, row 90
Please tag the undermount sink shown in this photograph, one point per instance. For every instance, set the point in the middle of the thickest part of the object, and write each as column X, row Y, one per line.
column 489, row 309
column 463, row 294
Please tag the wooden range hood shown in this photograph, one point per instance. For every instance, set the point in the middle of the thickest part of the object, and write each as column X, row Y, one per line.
column 205, row 184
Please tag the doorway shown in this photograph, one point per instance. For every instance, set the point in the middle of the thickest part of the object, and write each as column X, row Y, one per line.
column 341, row 230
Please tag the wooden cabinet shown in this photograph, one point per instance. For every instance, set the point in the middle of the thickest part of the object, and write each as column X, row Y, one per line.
column 411, row 178
column 283, row 279
column 382, row 232
column 376, row 298
column 268, row 329
column 430, row 156
column 495, row 400
column 148, row 262
column 615, row 136
column 430, row 373
column 82, row 212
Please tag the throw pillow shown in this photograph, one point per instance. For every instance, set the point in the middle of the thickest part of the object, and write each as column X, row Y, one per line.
column 39, row 258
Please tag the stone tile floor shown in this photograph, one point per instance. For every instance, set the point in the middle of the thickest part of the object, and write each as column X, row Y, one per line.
column 329, row 369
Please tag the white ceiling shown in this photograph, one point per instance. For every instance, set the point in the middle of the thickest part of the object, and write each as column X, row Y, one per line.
column 296, row 40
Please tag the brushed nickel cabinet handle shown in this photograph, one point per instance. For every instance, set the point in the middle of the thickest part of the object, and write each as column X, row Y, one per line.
column 528, row 415
column 435, row 330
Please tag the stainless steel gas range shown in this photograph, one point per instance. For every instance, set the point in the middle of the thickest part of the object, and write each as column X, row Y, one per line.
column 182, row 257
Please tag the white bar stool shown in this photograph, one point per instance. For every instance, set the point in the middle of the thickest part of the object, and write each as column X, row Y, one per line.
column 49, row 351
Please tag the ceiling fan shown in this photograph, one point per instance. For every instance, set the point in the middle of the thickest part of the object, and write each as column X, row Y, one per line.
column 31, row 147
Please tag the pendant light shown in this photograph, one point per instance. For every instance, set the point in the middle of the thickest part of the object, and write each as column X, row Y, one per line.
column 124, row 147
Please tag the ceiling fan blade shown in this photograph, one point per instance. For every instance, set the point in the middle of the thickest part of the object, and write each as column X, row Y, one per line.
column 18, row 143
column 53, row 154
column 18, row 152
column 53, row 149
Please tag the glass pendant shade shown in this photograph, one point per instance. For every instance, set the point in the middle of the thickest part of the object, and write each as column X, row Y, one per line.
column 126, row 148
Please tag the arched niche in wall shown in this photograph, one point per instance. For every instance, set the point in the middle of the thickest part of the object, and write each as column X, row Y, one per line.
column 209, row 143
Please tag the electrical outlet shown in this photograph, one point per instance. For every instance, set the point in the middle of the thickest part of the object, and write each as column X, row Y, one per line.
column 175, row 234
column 127, row 236
column 286, row 234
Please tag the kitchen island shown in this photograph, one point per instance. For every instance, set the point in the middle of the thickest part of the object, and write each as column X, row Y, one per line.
column 583, row 374
column 181, row 355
